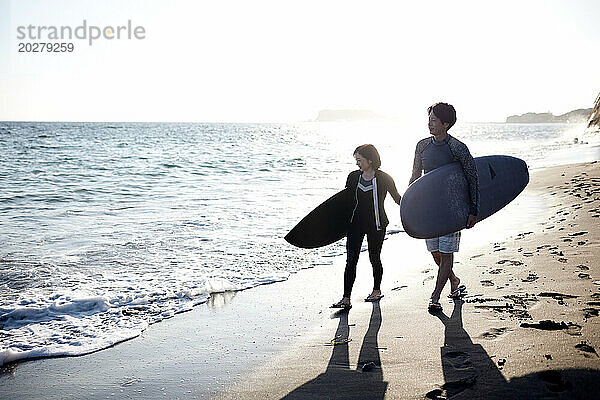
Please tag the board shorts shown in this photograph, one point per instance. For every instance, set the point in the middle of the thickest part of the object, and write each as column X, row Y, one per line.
column 444, row 244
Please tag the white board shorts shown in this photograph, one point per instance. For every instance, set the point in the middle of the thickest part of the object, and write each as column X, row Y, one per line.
column 444, row 244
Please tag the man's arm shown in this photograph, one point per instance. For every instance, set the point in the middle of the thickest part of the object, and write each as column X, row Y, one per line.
column 417, row 164
column 461, row 152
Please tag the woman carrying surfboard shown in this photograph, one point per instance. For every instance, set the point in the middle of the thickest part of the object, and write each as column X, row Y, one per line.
column 370, row 186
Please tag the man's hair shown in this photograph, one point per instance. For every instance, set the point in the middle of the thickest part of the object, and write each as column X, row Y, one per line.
column 369, row 152
column 445, row 113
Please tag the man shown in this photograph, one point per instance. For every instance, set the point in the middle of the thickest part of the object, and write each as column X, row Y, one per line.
column 432, row 153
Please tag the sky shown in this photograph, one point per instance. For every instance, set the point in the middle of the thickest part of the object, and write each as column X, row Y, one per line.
column 283, row 61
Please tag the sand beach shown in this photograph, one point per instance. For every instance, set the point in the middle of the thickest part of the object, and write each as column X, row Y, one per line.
column 527, row 328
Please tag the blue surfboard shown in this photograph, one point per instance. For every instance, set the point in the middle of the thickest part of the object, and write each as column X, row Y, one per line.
column 436, row 204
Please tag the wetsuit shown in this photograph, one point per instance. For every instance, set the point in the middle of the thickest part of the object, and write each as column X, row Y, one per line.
column 368, row 218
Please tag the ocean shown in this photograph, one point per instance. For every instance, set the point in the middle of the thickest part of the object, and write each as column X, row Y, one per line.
column 106, row 228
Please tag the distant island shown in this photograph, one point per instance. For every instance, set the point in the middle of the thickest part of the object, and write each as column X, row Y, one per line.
column 347, row 115
column 574, row 117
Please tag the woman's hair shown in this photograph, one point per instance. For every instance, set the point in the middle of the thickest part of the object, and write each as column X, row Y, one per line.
column 369, row 152
column 445, row 113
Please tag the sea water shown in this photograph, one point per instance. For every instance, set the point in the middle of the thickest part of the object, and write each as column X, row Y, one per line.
column 106, row 228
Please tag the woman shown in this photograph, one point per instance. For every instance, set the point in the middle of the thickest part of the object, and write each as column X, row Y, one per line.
column 370, row 186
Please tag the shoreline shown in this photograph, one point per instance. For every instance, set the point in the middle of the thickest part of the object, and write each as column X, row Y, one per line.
column 270, row 341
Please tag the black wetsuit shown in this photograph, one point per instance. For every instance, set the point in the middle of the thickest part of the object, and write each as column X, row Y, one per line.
column 368, row 218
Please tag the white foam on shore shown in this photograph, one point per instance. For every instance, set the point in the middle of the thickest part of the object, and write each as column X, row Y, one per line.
column 74, row 324
column 67, row 326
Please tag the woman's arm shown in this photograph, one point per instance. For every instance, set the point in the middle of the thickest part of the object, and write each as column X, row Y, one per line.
column 393, row 191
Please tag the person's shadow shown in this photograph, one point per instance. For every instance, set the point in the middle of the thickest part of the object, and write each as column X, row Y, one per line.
column 464, row 363
column 469, row 372
column 339, row 381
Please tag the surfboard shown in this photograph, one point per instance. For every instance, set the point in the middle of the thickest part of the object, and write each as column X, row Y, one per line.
column 436, row 204
column 324, row 225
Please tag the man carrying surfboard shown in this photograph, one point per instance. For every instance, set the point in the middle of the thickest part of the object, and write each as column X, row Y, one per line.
column 369, row 186
column 431, row 153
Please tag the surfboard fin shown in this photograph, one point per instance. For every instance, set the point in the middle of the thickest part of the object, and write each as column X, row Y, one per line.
column 492, row 172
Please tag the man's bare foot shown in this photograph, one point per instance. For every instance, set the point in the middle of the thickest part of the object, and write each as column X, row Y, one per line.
column 454, row 284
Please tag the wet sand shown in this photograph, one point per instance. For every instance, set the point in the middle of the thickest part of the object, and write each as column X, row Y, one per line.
column 527, row 328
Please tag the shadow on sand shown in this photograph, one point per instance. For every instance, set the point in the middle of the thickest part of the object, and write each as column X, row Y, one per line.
column 339, row 381
column 470, row 373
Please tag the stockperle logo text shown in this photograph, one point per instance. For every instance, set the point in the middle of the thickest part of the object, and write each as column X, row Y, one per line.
column 91, row 33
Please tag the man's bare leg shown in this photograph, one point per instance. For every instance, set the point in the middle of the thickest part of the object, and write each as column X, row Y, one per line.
column 445, row 262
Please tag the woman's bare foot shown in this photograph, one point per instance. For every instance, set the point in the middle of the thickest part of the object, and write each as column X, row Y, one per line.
column 343, row 303
column 374, row 296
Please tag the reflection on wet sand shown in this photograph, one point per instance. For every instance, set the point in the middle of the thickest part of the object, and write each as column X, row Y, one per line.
column 220, row 300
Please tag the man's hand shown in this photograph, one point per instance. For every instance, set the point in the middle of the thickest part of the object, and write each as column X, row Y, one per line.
column 471, row 221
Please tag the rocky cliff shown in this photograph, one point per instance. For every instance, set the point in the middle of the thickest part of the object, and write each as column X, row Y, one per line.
column 575, row 116
column 594, row 121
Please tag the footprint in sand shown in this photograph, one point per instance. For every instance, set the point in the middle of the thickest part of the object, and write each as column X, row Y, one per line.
column 512, row 262
column 583, row 275
column 549, row 325
column 487, row 283
column 559, row 297
column 530, row 278
column 577, row 233
column 496, row 271
column 525, row 233
column 494, row 333
column 460, row 365
column 588, row 351
column 457, row 359
column 590, row 312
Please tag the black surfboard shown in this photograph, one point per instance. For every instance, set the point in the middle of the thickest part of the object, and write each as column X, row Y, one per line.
column 324, row 225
